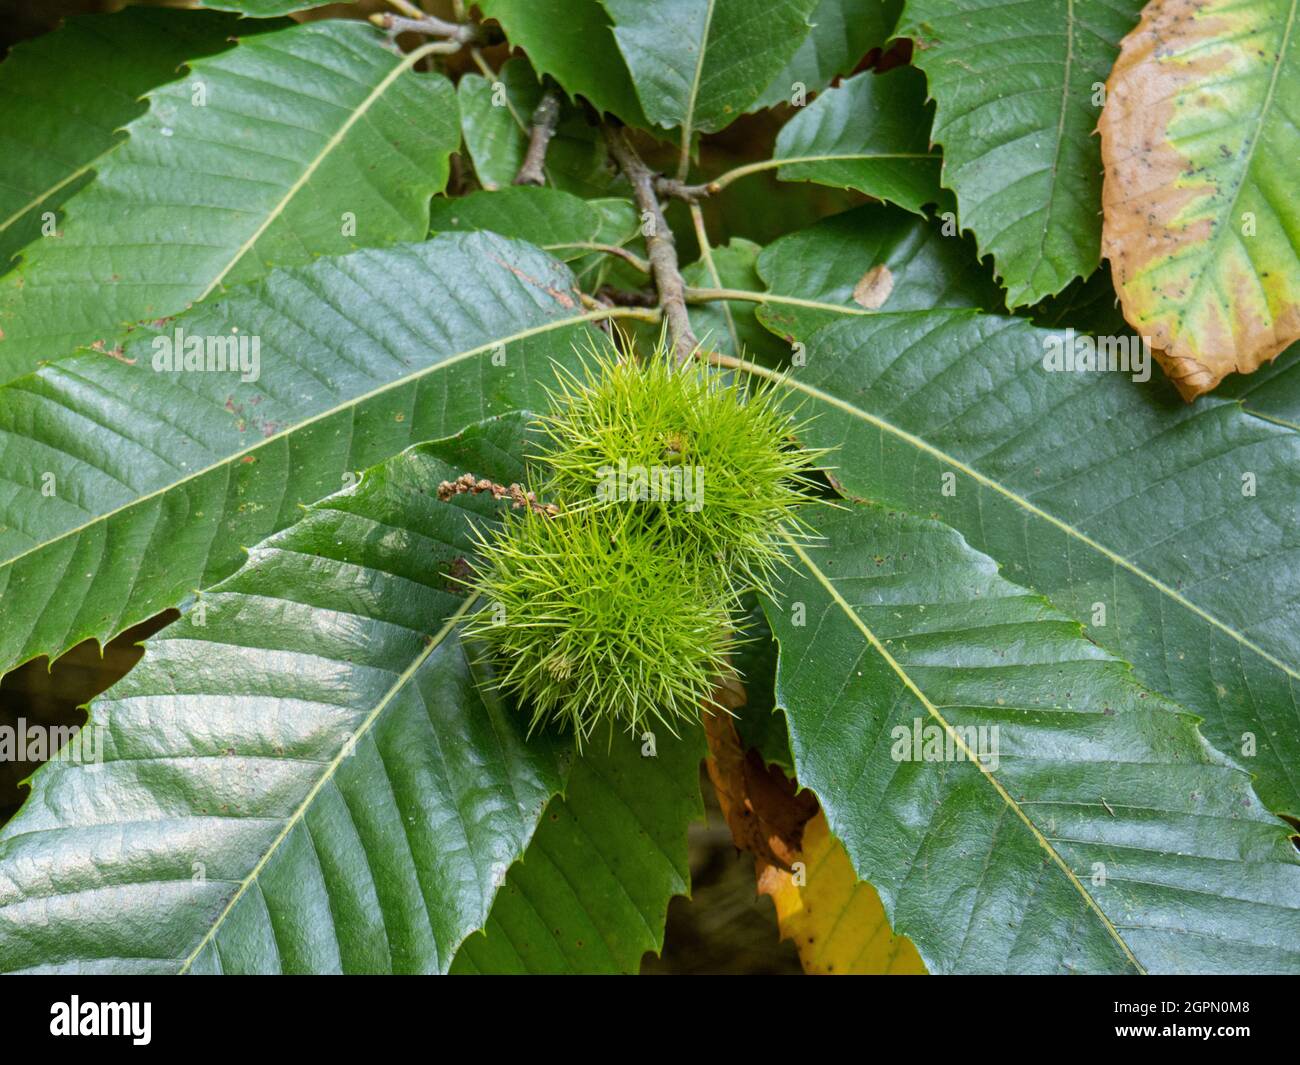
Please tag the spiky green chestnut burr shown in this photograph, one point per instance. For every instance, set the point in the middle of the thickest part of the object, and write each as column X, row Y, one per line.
column 717, row 464
column 590, row 619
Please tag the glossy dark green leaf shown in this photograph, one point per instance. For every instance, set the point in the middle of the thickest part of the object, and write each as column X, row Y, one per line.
column 308, row 772
column 843, row 31
column 699, row 64
column 827, row 263
column 1172, row 532
column 233, row 169
column 54, row 128
column 571, row 40
column 128, row 488
column 1019, row 802
column 1018, row 89
column 617, row 225
column 874, row 257
column 871, row 134
column 591, row 893
column 1272, row 391
column 556, row 221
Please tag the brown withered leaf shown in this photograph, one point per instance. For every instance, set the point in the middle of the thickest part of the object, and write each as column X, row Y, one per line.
column 835, row 920
column 762, row 806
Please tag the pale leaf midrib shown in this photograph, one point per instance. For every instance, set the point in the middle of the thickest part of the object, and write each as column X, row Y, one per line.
column 688, row 119
column 1056, row 148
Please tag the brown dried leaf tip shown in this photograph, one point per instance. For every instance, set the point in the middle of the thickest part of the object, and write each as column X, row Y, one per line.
column 763, row 808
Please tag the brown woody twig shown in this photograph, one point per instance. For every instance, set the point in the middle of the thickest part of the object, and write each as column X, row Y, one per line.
column 429, row 26
column 679, row 190
column 658, row 240
column 546, row 117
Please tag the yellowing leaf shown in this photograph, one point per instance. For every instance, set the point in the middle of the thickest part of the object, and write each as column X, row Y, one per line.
column 835, row 920
column 1200, row 137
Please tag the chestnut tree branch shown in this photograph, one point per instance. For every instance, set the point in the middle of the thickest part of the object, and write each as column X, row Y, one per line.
column 427, row 25
column 679, row 190
column 546, row 117
column 659, row 242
